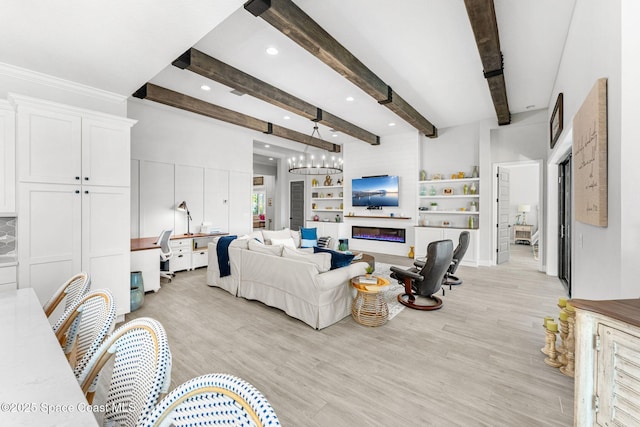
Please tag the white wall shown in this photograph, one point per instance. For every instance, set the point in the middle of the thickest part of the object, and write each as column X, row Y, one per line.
column 455, row 149
column 604, row 262
column 190, row 145
column 398, row 155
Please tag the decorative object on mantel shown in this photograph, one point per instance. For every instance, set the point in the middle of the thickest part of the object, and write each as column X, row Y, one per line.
column 307, row 164
column 411, row 253
column 590, row 152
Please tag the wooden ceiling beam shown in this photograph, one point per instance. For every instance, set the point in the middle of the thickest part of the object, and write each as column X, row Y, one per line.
column 482, row 16
column 184, row 102
column 211, row 68
column 290, row 20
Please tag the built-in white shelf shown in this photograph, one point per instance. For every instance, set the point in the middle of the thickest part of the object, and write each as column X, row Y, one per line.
column 321, row 187
column 326, row 210
column 452, row 196
column 450, row 212
column 326, row 198
column 446, row 181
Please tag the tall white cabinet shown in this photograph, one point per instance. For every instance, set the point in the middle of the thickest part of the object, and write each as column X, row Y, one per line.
column 73, row 168
column 7, row 159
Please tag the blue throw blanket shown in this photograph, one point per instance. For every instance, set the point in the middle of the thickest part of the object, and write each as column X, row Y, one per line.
column 222, row 250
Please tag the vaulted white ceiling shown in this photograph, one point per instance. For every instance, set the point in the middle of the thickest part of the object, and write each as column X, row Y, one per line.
column 423, row 49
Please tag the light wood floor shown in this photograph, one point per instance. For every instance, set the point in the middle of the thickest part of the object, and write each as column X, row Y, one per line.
column 475, row 362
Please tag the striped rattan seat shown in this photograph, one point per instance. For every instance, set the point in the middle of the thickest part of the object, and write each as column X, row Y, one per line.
column 141, row 371
column 211, row 400
column 74, row 288
column 82, row 328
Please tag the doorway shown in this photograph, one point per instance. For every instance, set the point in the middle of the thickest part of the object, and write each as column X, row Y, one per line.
column 564, row 223
column 296, row 208
column 518, row 213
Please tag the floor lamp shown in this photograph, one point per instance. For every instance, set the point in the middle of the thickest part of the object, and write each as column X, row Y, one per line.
column 182, row 207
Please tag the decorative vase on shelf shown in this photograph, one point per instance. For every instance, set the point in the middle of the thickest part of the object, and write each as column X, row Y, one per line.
column 474, row 174
column 423, row 190
column 316, row 218
column 423, row 175
column 473, row 189
column 411, row 253
column 471, row 222
column 422, row 221
column 432, row 191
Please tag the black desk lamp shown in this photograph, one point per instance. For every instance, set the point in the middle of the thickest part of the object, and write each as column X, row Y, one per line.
column 183, row 208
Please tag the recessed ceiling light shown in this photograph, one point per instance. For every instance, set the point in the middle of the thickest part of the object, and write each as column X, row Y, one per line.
column 270, row 158
column 287, row 117
column 272, row 51
column 205, row 87
column 335, row 135
column 350, row 98
column 266, row 146
column 392, row 124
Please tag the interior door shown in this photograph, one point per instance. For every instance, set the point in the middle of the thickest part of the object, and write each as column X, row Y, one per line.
column 503, row 225
column 564, row 223
column 296, row 208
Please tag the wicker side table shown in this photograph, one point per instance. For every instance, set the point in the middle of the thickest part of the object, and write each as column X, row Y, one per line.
column 368, row 307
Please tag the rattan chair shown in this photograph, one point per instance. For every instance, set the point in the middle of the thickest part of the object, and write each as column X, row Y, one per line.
column 74, row 288
column 214, row 399
column 82, row 328
column 141, row 371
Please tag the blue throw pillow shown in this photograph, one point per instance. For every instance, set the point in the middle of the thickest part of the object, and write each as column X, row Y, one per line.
column 338, row 259
column 308, row 237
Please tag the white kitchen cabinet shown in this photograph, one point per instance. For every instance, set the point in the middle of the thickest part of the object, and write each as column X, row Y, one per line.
column 425, row 235
column 607, row 350
column 8, row 278
column 73, row 197
column 7, row 159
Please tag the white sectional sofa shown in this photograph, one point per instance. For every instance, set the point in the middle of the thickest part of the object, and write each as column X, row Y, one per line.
column 293, row 280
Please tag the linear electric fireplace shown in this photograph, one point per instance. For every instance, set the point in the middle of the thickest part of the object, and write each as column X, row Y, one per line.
column 381, row 234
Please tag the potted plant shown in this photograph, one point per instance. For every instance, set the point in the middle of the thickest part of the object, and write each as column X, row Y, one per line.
column 369, row 270
column 434, row 206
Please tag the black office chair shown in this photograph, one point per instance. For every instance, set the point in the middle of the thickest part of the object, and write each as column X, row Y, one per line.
column 426, row 281
column 458, row 254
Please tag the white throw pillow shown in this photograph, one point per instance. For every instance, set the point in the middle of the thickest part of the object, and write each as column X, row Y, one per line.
column 322, row 260
column 279, row 234
column 257, row 235
column 265, row 249
column 287, row 243
column 296, row 237
column 240, row 243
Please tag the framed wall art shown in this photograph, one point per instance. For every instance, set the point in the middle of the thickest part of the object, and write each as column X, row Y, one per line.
column 590, row 157
column 556, row 123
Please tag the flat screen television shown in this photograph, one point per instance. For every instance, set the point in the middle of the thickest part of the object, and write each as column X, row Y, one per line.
column 374, row 191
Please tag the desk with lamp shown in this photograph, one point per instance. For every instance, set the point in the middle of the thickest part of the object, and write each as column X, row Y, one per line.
column 189, row 252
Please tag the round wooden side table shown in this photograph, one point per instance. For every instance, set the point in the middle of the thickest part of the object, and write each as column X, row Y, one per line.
column 369, row 307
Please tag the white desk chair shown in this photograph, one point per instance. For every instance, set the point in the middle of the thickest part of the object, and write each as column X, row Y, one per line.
column 165, row 254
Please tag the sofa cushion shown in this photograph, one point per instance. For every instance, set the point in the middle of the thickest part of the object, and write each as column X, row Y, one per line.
column 277, row 234
column 288, row 242
column 324, row 242
column 322, row 261
column 309, row 237
column 295, row 235
column 338, row 259
column 265, row 249
column 257, row 235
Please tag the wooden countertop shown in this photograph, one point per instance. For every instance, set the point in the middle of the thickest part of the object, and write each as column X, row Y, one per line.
column 624, row 310
column 144, row 243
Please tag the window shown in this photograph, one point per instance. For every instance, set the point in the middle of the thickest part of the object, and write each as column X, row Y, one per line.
column 258, row 203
